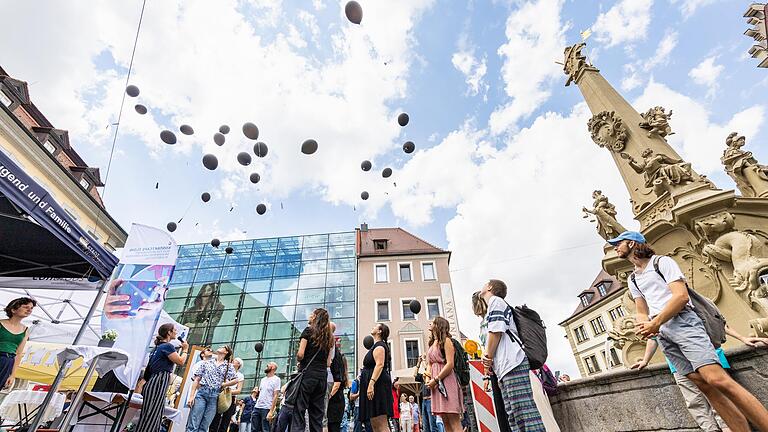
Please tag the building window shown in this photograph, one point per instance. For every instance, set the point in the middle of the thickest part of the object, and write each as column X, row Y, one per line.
column 84, row 183
column 592, row 365
column 380, row 244
column 602, row 289
column 616, row 313
column 586, row 299
column 598, row 326
column 382, row 273
column 581, row 334
column 50, row 147
column 408, row 315
column 382, row 310
column 433, row 307
column 613, row 359
column 5, row 99
column 411, row 352
column 428, row 271
column 405, row 272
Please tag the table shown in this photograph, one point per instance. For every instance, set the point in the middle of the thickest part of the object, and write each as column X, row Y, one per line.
column 98, row 411
column 21, row 405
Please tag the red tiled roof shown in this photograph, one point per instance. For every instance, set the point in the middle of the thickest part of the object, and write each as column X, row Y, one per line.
column 399, row 242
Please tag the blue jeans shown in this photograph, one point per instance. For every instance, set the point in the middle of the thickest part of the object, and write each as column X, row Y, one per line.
column 204, row 409
column 430, row 422
column 259, row 420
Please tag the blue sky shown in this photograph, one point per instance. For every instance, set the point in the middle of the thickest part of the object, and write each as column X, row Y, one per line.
column 503, row 162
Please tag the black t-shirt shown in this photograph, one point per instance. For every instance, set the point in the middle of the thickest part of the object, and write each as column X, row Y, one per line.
column 318, row 365
column 159, row 361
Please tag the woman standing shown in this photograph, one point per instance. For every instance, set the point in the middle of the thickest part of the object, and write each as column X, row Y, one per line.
column 159, row 369
column 406, row 416
column 221, row 421
column 313, row 355
column 336, row 401
column 210, row 378
column 13, row 336
column 376, row 406
column 447, row 399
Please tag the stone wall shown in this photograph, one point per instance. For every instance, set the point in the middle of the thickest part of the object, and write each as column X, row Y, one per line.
column 648, row 400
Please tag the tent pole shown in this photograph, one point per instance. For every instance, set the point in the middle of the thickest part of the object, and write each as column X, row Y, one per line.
column 63, row 367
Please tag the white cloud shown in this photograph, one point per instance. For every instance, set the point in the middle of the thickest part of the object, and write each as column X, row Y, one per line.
column 473, row 69
column 706, row 74
column 627, row 21
column 632, row 76
column 661, row 55
column 688, row 7
column 535, row 40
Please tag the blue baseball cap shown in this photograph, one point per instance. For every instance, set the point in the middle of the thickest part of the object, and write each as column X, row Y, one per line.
column 628, row 235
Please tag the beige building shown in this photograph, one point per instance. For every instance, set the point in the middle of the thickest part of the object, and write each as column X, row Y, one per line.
column 395, row 267
column 589, row 326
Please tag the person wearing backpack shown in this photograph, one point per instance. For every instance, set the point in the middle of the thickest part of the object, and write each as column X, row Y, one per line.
column 665, row 310
column 504, row 357
column 447, row 398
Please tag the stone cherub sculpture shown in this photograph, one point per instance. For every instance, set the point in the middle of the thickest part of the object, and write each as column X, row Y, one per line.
column 605, row 215
column 661, row 172
column 574, row 61
column 656, row 122
column 751, row 178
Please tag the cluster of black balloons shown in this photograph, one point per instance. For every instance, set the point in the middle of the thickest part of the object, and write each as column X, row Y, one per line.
column 133, row 92
column 409, row 147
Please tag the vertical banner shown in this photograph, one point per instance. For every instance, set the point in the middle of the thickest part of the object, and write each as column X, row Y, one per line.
column 135, row 295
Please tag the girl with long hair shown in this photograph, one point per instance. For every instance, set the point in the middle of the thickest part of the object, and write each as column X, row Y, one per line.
column 159, row 369
column 210, row 379
column 375, row 380
column 314, row 357
column 447, row 398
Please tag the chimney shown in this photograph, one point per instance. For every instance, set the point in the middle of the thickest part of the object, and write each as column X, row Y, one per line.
column 364, row 227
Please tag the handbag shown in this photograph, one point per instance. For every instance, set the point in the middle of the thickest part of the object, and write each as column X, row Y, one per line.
column 292, row 388
column 224, row 400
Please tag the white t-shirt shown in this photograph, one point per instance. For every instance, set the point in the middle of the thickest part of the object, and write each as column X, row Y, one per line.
column 652, row 287
column 508, row 355
column 240, row 378
column 405, row 409
column 267, row 389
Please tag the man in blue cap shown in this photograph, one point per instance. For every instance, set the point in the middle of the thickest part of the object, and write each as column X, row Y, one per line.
column 664, row 310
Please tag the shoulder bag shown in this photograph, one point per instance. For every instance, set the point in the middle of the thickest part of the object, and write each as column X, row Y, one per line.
column 292, row 388
column 225, row 396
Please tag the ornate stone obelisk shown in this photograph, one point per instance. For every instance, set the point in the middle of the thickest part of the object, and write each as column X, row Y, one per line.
column 719, row 239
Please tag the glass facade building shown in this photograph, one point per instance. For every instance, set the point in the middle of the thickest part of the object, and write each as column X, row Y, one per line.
column 264, row 292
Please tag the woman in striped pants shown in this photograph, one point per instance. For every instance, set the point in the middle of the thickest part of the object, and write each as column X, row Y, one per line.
column 158, row 376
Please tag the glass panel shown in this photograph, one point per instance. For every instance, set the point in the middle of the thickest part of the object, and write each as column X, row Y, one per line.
column 428, row 271
column 289, row 243
column 175, row 305
column 276, row 348
column 382, row 311
column 232, row 273
column 288, row 255
column 256, row 299
column 312, row 281
column 190, row 250
column 282, row 284
column 287, row 269
column 433, row 308
column 281, row 313
column 177, row 291
column 315, row 295
column 407, row 314
column 230, row 301
column 265, row 244
column 279, row 331
column 347, row 251
column 411, row 352
column 223, row 334
column 381, row 273
column 310, row 267
column 260, row 285
column 208, row 275
column 252, row 316
column 337, row 294
column 405, row 272
column 250, row 332
column 187, row 262
column 212, row 260
column 317, row 253
column 340, row 279
column 315, row 240
column 260, row 271
column 342, row 264
column 341, row 310
column 347, row 345
column 231, row 287
column 238, row 258
column 182, row 276
column 342, row 238
column 263, row 257
column 279, row 298
column 345, row 326
column 303, row 311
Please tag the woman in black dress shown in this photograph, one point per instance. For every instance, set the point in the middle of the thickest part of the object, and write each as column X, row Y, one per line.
column 336, row 400
column 313, row 355
column 375, row 378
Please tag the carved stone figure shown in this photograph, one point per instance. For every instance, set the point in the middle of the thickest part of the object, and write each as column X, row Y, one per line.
column 624, row 331
column 574, row 62
column 607, row 130
column 656, row 122
column 751, row 178
column 661, row 172
column 760, row 327
column 605, row 215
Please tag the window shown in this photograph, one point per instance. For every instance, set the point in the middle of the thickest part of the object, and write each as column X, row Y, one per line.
column 592, row 365
column 433, row 307
column 581, row 334
column 405, row 272
column 602, row 288
column 616, row 313
column 382, row 310
column 598, row 326
column 411, row 352
column 408, row 315
column 613, row 359
column 379, row 244
column 50, row 147
column 381, row 273
column 586, row 299
column 84, row 183
column 5, row 99
column 428, row 271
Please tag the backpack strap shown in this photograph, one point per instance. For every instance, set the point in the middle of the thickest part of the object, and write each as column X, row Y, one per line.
column 509, row 332
column 655, row 268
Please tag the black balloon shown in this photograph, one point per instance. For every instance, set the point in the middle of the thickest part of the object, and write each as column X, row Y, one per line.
column 403, row 119
column 260, row 149
column 132, row 91
column 258, row 347
column 387, row 172
column 205, row 197
column 309, row 146
column 409, row 147
column 255, row 177
column 368, row 342
column 415, row 306
column 229, row 250
column 366, row 165
column 261, row 209
column 171, row 226
column 219, row 139
column 215, row 242
column 210, row 161
column 251, row 131
column 224, row 129
column 168, row 137
column 354, row 12
column 141, row 109
column 186, row 129
column 364, row 195
column 244, row 158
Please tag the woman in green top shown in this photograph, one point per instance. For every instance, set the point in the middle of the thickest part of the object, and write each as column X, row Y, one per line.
column 13, row 336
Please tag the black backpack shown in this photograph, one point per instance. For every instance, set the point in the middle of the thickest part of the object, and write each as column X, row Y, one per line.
column 460, row 362
column 531, row 335
column 714, row 322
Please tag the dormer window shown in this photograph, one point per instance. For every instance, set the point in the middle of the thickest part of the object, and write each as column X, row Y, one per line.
column 84, row 183
column 602, row 288
column 5, row 99
column 50, row 147
column 380, row 244
column 586, row 299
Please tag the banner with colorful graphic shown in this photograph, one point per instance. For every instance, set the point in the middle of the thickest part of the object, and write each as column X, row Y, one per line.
column 135, row 295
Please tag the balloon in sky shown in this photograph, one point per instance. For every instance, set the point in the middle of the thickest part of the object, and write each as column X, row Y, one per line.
column 261, row 209
column 132, row 90
column 186, row 129
column 215, row 242
column 171, row 226
column 244, row 158
column 210, row 162
column 366, row 165
column 141, row 109
column 205, row 197
column 229, row 250
column 368, row 342
column 224, row 129
column 409, row 147
column 364, row 195
column 219, row 139
column 386, row 173
column 354, row 12
column 255, row 177
column 168, row 137
column 251, row 131
column 403, row 119
column 258, row 347
column 309, row 146
column 415, row 306
column 260, row 149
